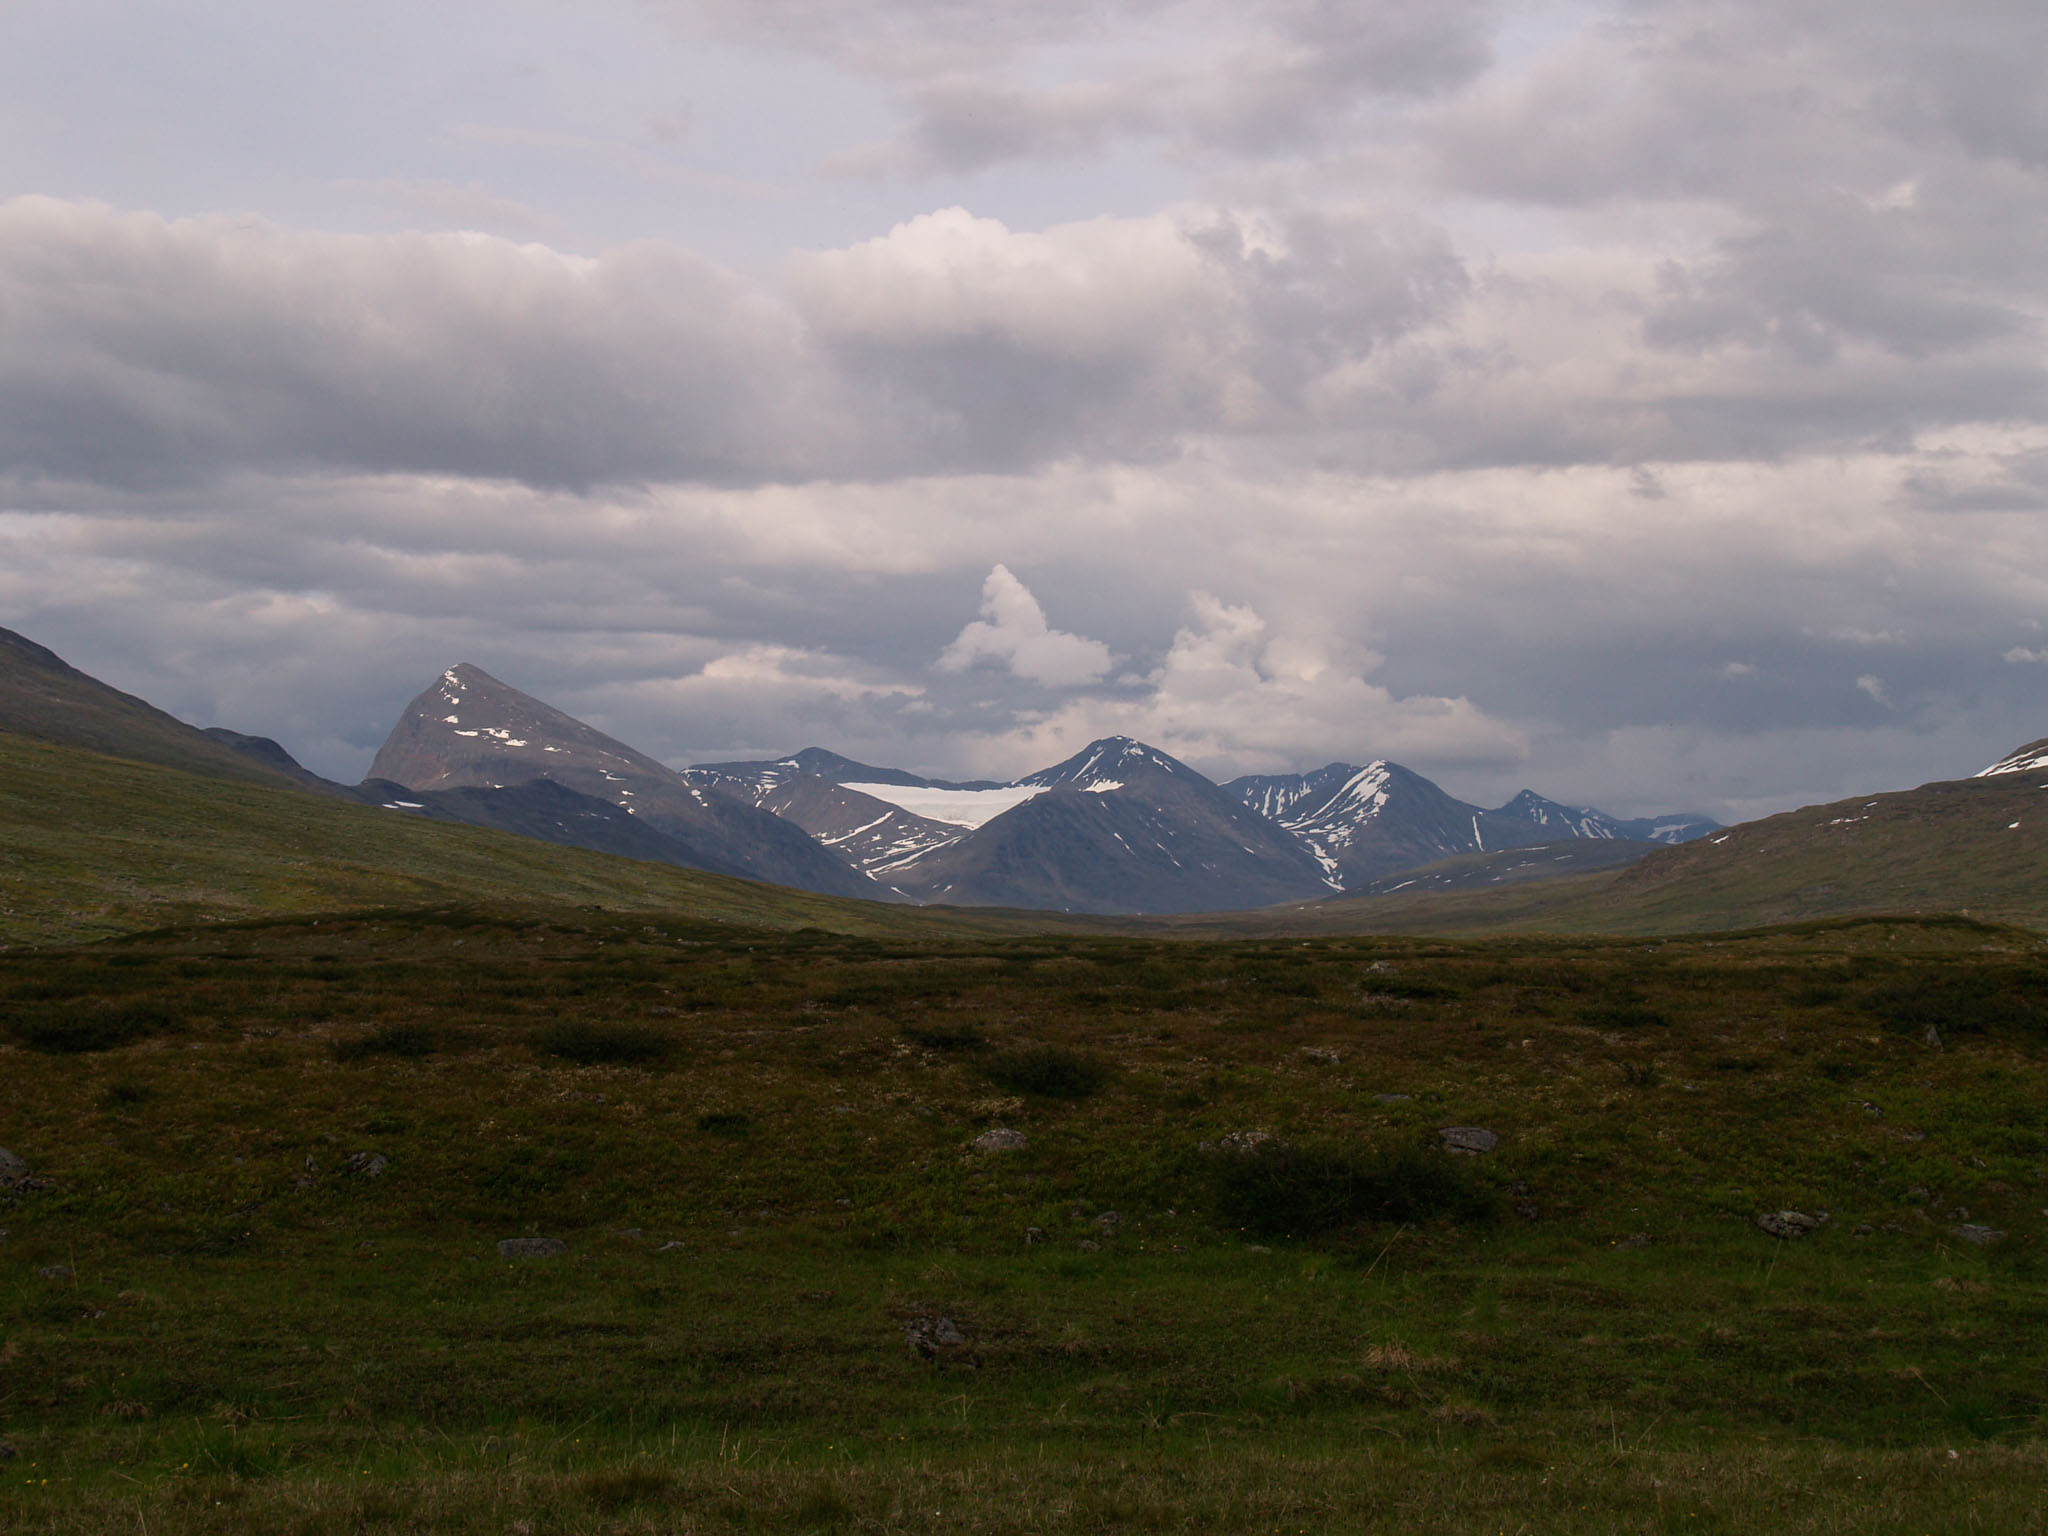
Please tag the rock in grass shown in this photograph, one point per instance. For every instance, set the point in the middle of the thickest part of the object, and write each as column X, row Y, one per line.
column 531, row 1248
column 1238, row 1142
column 1000, row 1139
column 930, row 1337
column 1979, row 1236
column 1468, row 1140
column 369, row 1165
column 1789, row 1225
column 55, row 1271
column 12, row 1169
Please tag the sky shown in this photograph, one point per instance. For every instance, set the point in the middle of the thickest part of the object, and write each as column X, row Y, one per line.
column 1646, row 403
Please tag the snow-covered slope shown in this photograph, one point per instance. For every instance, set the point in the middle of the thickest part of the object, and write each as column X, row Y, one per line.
column 2022, row 760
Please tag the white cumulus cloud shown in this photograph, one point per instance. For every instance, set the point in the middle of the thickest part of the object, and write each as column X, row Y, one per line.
column 1013, row 632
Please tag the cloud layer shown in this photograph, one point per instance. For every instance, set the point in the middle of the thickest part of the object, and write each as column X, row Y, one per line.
column 1645, row 401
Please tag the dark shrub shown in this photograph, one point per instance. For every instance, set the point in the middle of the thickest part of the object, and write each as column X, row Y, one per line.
column 1959, row 1003
column 725, row 1122
column 1623, row 1013
column 83, row 1027
column 945, row 1037
column 589, row 1044
column 407, row 1037
column 1280, row 1189
column 1048, row 1072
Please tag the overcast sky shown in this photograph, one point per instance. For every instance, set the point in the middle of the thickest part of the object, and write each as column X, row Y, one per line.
column 1643, row 402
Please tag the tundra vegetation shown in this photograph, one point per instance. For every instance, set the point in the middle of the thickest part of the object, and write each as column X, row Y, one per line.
column 1231, row 1280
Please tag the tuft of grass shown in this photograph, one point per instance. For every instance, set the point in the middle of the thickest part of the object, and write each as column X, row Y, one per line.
column 1049, row 1072
column 614, row 1492
column 725, row 1122
column 1283, row 1189
column 591, row 1043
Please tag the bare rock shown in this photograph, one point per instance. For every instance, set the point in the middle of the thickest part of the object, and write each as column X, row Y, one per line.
column 1468, row 1140
column 12, row 1169
column 1978, row 1236
column 368, row 1165
column 531, row 1248
column 1322, row 1055
column 1790, row 1225
column 1392, row 1098
column 1109, row 1221
column 1000, row 1139
column 1033, row 1236
column 55, row 1271
column 931, row 1337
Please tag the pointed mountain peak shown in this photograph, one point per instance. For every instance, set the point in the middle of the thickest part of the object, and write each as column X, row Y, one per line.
column 1106, row 763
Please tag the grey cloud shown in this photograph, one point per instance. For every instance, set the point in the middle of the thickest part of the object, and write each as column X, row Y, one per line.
column 1276, row 78
column 139, row 348
column 142, row 349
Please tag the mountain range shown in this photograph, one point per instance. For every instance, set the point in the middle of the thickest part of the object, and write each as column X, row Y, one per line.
column 1120, row 827
column 114, row 814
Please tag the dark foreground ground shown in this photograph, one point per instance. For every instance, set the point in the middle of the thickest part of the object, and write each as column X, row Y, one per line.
column 252, row 1281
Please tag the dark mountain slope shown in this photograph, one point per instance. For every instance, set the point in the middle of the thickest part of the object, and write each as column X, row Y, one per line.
column 1121, row 827
column 468, row 730
column 872, row 835
column 1366, row 823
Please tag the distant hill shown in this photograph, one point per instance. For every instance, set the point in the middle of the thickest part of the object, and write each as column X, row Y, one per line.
column 1977, row 846
column 44, row 697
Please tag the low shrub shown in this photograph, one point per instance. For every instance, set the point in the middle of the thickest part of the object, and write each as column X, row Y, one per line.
column 945, row 1037
column 1959, row 1003
column 407, row 1037
column 725, row 1122
column 591, row 1044
column 1286, row 1189
column 1048, row 1072
column 1623, row 1013
column 82, row 1027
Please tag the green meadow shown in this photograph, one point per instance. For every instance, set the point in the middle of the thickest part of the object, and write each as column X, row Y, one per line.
column 1231, row 1280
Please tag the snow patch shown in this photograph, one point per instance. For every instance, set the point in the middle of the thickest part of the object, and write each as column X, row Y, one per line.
column 960, row 807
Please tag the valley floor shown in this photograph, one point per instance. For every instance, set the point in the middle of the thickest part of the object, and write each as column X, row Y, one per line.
column 253, row 1281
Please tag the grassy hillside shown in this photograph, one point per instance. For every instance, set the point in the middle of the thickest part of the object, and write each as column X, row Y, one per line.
column 253, row 1281
column 93, row 845
column 43, row 696
column 1979, row 847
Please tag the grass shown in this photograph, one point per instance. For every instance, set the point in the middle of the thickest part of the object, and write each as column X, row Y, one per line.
column 244, row 1328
